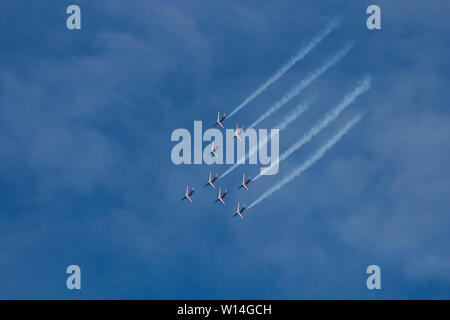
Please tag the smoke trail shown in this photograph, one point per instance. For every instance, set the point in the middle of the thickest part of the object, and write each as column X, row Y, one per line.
column 280, row 72
column 303, row 84
column 308, row 163
column 297, row 113
column 282, row 125
column 349, row 98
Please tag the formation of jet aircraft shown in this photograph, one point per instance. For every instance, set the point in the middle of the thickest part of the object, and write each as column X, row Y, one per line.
column 214, row 149
column 212, row 179
column 221, row 196
column 238, row 131
column 188, row 194
column 239, row 211
column 220, row 119
column 245, row 182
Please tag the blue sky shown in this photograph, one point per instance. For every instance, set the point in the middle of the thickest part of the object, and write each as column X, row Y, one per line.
column 86, row 176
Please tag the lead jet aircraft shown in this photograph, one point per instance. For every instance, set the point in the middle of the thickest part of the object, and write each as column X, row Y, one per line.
column 239, row 211
column 220, row 120
column 221, row 196
column 188, row 194
column 245, row 182
column 211, row 180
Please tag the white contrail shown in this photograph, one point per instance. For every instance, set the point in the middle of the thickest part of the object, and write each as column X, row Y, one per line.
column 280, row 72
column 308, row 163
column 282, row 125
column 349, row 98
column 303, row 84
column 295, row 114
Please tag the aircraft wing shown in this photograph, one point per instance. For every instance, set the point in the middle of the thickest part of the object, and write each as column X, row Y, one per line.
column 239, row 214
